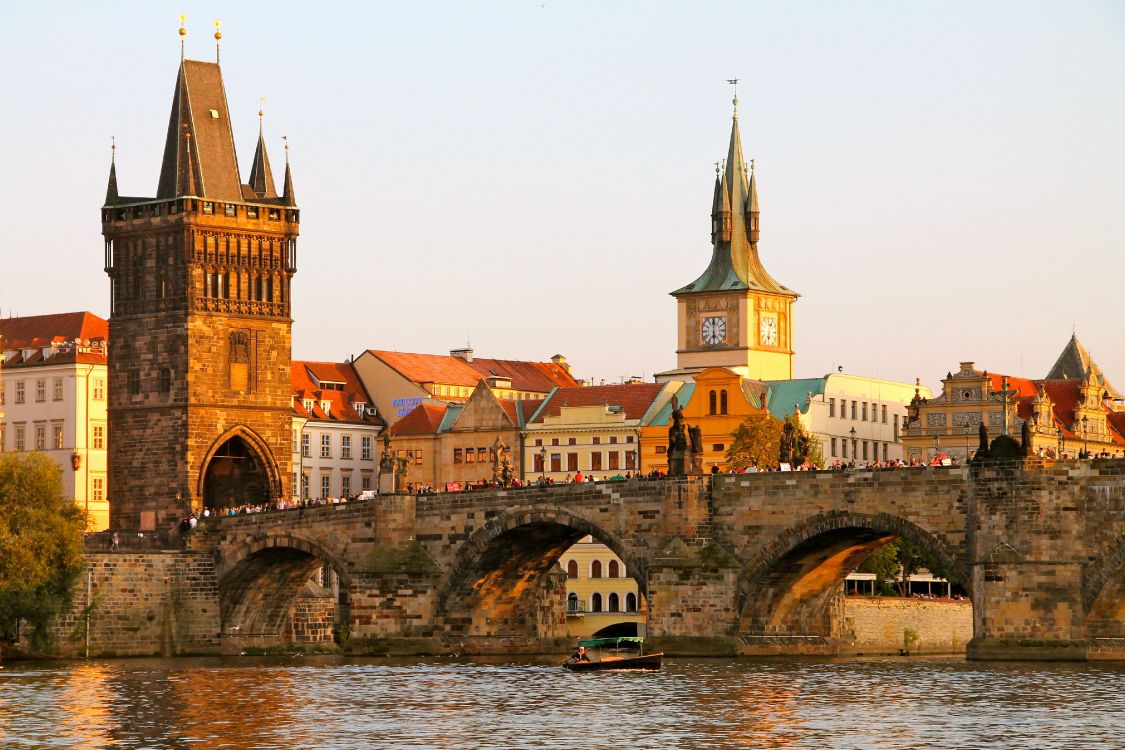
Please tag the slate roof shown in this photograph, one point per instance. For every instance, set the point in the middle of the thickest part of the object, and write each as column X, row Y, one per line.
column 1075, row 363
column 634, row 399
column 535, row 377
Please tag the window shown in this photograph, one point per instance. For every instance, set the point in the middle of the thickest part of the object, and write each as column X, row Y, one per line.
column 614, row 569
column 166, row 380
column 864, row 418
column 99, row 389
column 596, row 603
column 306, row 451
column 884, row 413
column 572, row 441
column 597, row 440
column 853, row 409
column 596, row 569
column 228, row 210
column 630, row 602
column 345, row 446
column 470, row 455
column 40, row 437
column 896, row 429
column 554, row 441
column 723, row 401
column 843, row 448
column 556, row 462
column 305, row 486
column 831, row 407
column 458, row 456
column 3, row 434
column 538, row 462
column 251, row 212
column 326, row 446
column 613, row 440
column 614, row 460
column 98, row 437
column 572, row 462
column 864, row 450
column 630, row 460
column 572, row 569
column 718, row 447
column 56, row 389
column 325, row 485
column 208, row 207
column 596, row 461
column 57, row 436
column 134, row 382
column 539, row 441
column 19, row 441
column 884, row 451
column 482, row 455
column 41, row 389
column 418, row 456
column 614, row 602
column 99, row 489
column 833, row 447
column 365, row 448
column 346, row 484
column 661, row 449
column 367, row 481
column 2, row 392
column 628, row 438
column 711, row 401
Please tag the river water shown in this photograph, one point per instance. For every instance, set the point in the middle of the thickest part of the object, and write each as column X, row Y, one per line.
column 329, row 703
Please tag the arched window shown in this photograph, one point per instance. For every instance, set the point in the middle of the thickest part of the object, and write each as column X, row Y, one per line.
column 572, row 603
column 596, row 569
column 630, row 602
column 614, row 570
column 572, row 569
column 596, row 603
column 723, row 401
column 711, row 402
column 614, row 603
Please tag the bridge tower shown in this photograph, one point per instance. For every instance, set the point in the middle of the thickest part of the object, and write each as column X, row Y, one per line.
column 200, row 327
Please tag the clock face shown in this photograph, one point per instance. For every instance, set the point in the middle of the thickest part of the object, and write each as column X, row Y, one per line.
column 768, row 331
column 714, row 330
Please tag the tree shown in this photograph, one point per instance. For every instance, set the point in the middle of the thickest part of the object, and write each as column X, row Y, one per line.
column 40, row 544
column 806, row 448
column 756, row 442
column 899, row 559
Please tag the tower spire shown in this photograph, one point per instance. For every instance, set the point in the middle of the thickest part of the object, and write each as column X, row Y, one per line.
column 111, row 188
column 261, row 176
column 287, row 190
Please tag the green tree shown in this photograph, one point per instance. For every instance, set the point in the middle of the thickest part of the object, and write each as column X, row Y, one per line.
column 40, row 544
column 755, row 442
column 899, row 559
column 806, row 448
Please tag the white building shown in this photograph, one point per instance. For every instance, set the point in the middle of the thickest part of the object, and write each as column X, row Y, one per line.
column 854, row 418
column 53, row 399
column 338, row 431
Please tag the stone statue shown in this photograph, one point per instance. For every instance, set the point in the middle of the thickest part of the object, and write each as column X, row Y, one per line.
column 498, row 457
column 1025, row 438
column 387, row 460
column 785, row 455
column 982, row 449
column 695, row 435
column 677, row 442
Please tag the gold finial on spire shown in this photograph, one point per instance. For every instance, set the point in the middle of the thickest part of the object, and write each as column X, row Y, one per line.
column 734, row 82
column 261, row 111
column 218, row 36
column 183, row 33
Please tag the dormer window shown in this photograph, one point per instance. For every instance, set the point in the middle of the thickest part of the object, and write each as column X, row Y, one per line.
column 309, row 404
column 326, row 406
column 360, row 408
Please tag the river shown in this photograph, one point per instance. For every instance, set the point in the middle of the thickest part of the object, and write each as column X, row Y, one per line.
column 333, row 703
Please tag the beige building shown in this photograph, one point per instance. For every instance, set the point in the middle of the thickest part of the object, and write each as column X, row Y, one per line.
column 53, row 399
column 1073, row 411
column 399, row 381
column 600, row 594
column 339, row 438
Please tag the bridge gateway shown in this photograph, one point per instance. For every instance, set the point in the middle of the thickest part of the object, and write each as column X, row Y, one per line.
column 747, row 564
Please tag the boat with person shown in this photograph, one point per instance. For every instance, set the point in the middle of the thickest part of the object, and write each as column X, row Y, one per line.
column 615, row 660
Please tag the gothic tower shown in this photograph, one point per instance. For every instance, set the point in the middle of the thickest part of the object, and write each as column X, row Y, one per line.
column 736, row 315
column 200, row 327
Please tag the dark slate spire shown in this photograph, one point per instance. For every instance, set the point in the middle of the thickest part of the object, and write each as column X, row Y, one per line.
column 289, row 196
column 111, row 189
column 261, row 176
column 199, row 156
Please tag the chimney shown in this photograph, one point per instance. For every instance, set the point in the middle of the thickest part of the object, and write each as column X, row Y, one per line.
column 560, row 360
column 465, row 354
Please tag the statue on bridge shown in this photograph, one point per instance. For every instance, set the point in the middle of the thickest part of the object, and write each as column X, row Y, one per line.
column 392, row 468
column 677, row 442
column 695, row 434
column 502, row 472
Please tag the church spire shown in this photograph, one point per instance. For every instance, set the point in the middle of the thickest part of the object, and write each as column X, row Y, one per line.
column 261, row 176
column 288, row 195
column 752, row 210
column 111, row 188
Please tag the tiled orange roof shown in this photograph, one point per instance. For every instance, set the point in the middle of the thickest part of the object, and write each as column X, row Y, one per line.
column 1117, row 422
column 633, row 398
column 423, row 419
column 308, row 379
column 40, row 330
column 536, row 377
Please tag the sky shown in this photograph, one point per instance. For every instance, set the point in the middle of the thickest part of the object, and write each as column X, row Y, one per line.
column 940, row 181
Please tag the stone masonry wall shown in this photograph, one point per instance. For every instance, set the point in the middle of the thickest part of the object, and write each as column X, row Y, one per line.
column 875, row 626
column 143, row 604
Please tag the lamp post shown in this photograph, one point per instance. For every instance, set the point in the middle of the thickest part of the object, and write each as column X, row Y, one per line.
column 543, row 462
column 852, row 433
column 1059, row 435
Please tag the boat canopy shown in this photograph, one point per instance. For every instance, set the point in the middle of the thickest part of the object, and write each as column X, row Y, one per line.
column 601, row 642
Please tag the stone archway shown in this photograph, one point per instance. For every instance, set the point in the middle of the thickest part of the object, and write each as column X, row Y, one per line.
column 503, row 584
column 794, row 587
column 239, row 469
column 1104, row 593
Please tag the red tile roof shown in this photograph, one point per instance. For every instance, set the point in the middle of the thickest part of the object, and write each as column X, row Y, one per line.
column 58, row 332
column 536, row 377
column 633, row 398
column 1064, row 400
column 423, row 419
column 309, row 380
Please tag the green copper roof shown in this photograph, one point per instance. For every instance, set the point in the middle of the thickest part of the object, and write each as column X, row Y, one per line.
column 786, row 394
column 683, row 396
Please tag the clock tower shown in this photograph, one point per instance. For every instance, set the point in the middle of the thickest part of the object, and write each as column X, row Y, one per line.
column 736, row 315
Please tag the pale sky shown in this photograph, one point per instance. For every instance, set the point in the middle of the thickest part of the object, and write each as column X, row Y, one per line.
column 940, row 181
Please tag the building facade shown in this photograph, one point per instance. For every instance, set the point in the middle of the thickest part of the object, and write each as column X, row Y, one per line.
column 338, row 443
column 600, row 594
column 53, row 381
column 199, row 388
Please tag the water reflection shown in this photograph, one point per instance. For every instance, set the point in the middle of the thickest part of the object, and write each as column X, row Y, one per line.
column 335, row 703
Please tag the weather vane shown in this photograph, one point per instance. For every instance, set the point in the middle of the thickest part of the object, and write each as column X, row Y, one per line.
column 183, row 33
column 734, row 82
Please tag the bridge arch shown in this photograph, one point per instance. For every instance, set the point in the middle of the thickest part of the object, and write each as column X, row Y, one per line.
column 793, row 586
column 261, row 581
column 1103, row 592
column 500, row 582
column 238, row 467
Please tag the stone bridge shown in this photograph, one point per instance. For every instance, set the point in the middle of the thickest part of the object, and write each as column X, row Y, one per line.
column 749, row 564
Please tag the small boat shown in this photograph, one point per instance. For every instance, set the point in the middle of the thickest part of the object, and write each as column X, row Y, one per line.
column 615, row 660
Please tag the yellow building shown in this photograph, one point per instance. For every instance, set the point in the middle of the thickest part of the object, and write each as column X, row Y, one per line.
column 1071, row 412
column 735, row 314
column 602, row 599
column 717, row 402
